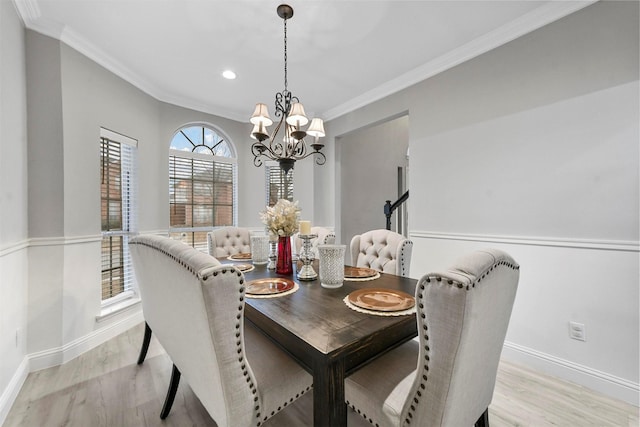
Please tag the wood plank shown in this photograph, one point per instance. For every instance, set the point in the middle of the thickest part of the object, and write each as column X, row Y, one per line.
column 105, row 387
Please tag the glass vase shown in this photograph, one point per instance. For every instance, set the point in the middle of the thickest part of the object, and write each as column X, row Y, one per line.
column 284, row 263
column 331, row 265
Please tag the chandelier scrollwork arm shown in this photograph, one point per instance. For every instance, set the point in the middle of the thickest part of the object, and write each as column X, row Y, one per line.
column 320, row 158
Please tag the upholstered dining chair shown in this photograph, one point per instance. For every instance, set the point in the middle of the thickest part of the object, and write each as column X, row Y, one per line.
column 448, row 377
column 226, row 241
column 325, row 237
column 195, row 307
column 382, row 250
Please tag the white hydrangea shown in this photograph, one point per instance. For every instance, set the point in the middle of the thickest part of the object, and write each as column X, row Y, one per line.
column 282, row 219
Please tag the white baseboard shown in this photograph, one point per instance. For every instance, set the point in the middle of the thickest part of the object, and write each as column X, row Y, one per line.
column 56, row 356
column 11, row 392
column 598, row 381
column 127, row 319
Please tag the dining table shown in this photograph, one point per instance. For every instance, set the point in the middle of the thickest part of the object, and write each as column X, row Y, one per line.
column 328, row 337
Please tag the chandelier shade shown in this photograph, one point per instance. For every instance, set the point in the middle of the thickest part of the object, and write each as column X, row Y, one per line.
column 316, row 128
column 296, row 115
column 291, row 117
column 261, row 115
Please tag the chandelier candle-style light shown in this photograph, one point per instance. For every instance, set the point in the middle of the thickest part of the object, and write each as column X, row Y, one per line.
column 291, row 145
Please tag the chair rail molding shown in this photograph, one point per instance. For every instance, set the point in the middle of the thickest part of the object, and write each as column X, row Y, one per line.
column 13, row 247
column 64, row 240
column 611, row 245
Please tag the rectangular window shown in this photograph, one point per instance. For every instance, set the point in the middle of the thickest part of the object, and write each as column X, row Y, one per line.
column 118, row 182
column 201, row 196
column 279, row 184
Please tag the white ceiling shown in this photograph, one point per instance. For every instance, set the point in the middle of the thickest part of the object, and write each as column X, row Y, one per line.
column 341, row 54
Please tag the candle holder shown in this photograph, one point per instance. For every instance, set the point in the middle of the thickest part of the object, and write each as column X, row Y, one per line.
column 273, row 254
column 306, row 256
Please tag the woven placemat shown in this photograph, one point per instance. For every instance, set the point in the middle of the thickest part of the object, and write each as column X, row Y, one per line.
column 406, row 312
column 250, row 267
column 231, row 258
column 281, row 294
column 362, row 279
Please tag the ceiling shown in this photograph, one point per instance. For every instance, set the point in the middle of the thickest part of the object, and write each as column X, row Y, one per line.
column 341, row 54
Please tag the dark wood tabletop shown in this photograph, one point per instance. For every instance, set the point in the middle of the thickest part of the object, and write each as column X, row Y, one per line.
column 328, row 338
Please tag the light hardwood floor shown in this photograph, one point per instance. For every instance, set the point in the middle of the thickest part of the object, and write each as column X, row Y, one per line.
column 105, row 387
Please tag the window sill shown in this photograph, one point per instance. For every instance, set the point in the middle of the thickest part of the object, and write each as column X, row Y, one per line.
column 119, row 307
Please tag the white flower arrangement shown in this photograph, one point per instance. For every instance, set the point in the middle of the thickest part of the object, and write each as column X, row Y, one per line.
column 282, row 219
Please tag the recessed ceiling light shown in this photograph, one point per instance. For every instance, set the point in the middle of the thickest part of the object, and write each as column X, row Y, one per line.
column 228, row 74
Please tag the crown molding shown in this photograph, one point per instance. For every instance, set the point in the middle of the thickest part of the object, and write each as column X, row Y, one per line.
column 29, row 12
column 192, row 104
column 92, row 52
column 527, row 23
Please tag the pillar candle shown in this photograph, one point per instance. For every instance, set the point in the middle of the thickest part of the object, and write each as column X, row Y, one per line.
column 305, row 227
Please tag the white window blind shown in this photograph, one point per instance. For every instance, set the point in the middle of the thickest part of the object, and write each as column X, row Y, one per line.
column 202, row 184
column 278, row 184
column 118, row 182
column 201, row 196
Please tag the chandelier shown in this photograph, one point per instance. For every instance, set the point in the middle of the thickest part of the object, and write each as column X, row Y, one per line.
column 290, row 146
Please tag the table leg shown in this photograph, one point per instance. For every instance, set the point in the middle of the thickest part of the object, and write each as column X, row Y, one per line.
column 329, row 408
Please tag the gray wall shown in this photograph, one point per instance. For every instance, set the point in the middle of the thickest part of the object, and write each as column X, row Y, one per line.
column 370, row 159
column 71, row 98
column 533, row 148
column 44, row 113
column 545, row 127
column 13, row 202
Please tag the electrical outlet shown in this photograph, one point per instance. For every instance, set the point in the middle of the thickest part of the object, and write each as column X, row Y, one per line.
column 18, row 338
column 577, row 331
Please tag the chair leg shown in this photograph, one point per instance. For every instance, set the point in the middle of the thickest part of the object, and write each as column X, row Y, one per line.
column 171, row 393
column 483, row 421
column 145, row 343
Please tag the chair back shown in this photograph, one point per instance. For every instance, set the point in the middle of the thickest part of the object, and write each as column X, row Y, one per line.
column 226, row 241
column 195, row 308
column 382, row 250
column 462, row 316
column 325, row 237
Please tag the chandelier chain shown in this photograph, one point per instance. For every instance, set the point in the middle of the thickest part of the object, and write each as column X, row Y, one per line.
column 285, row 56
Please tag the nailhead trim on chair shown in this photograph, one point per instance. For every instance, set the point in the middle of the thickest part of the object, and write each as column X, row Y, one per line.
column 243, row 366
column 362, row 414
column 241, row 360
column 422, row 386
column 402, row 259
column 188, row 267
column 285, row 404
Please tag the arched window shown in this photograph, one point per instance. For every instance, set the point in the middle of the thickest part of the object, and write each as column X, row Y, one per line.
column 202, row 183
